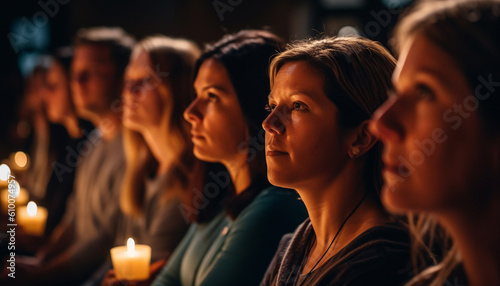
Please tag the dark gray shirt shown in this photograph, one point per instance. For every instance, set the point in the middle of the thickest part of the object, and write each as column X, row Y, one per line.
column 378, row 256
column 93, row 209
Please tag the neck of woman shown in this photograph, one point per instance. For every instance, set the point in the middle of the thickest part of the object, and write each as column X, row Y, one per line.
column 329, row 202
column 239, row 170
column 159, row 143
column 476, row 232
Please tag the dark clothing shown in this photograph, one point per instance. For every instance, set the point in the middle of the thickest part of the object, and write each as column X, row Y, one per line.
column 378, row 256
column 234, row 252
column 60, row 183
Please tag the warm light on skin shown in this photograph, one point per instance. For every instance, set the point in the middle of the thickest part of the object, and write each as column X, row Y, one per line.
column 21, row 159
column 130, row 246
column 4, row 172
column 31, row 208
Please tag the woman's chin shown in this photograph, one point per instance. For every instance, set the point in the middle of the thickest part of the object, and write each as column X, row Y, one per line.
column 392, row 200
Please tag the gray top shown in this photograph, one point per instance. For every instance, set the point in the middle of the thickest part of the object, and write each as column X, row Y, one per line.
column 162, row 226
column 93, row 208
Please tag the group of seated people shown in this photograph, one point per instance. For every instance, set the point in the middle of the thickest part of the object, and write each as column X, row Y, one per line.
column 254, row 162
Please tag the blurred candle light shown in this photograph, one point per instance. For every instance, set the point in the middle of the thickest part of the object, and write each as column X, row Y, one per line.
column 32, row 218
column 131, row 262
column 19, row 162
column 4, row 172
column 20, row 200
column 21, row 159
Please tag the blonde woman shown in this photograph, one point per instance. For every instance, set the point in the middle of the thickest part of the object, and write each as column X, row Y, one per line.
column 160, row 165
column 441, row 134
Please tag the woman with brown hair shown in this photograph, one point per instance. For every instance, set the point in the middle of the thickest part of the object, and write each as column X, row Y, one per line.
column 235, row 247
column 441, row 134
column 323, row 93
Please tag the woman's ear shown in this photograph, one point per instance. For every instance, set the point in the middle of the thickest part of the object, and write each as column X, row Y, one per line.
column 363, row 140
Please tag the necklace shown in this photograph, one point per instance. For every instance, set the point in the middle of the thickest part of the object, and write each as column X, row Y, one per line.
column 331, row 243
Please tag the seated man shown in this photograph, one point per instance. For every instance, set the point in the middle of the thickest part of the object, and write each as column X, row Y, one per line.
column 82, row 240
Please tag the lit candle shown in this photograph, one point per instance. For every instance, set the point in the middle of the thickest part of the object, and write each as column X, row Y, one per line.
column 21, row 200
column 131, row 262
column 32, row 219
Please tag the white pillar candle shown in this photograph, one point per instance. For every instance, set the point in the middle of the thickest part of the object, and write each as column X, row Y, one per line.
column 32, row 219
column 131, row 262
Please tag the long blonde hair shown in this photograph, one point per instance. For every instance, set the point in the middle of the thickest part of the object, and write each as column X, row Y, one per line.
column 172, row 64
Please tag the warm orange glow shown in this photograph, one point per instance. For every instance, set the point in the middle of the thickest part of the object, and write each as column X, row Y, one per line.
column 21, row 159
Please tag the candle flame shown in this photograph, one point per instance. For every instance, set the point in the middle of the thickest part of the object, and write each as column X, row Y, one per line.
column 4, row 172
column 130, row 246
column 32, row 208
column 21, row 159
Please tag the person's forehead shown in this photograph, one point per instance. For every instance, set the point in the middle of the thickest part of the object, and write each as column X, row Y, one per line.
column 421, row 56
column 93, row 53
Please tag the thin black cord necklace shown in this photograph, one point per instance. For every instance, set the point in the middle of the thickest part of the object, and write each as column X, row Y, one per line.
column 331, row 243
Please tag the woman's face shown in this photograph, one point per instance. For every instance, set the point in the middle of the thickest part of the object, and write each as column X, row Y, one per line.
column 218, row 128
column 144, row 105
column 56, row 94
column 435, row 148
column 304, row 143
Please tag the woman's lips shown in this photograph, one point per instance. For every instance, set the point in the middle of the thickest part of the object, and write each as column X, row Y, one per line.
column 196, row 136
column 395, row 169
column 273, row 153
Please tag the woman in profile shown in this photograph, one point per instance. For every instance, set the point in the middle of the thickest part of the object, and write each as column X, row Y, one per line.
column 441, row 134
column 161, row 169
column 234, row 248
column 323, row 94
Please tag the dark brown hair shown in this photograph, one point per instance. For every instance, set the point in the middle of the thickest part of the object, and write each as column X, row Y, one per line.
column 246, row 56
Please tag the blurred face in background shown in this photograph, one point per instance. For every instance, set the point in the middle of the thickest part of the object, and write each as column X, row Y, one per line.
column 436, row 154
column 33, row 96
column 218, row 127
column 94, row 84
column 143, row 95
column 56, row 95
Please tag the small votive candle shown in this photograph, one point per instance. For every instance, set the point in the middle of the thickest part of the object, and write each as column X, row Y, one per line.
column 32, row 219
column 21, row 200
column 131, row 262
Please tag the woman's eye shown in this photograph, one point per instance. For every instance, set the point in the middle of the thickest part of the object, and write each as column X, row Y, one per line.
column 212, row 97
column 299, row 106
column 269, row 107
column 424, row 92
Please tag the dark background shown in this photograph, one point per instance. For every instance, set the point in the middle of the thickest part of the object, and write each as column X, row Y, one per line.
column 199, row 20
